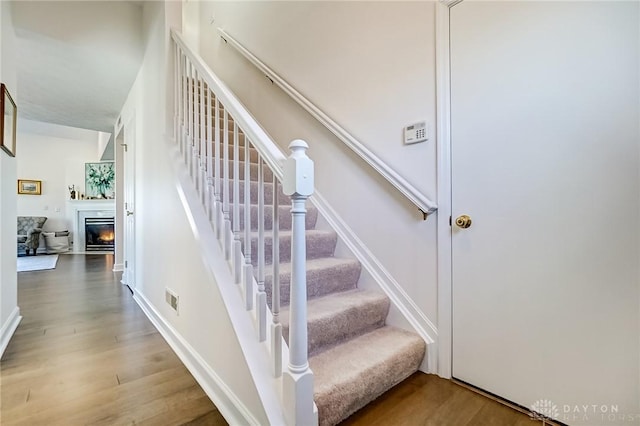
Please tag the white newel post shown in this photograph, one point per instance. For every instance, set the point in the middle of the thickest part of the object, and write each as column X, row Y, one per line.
column 299, row 408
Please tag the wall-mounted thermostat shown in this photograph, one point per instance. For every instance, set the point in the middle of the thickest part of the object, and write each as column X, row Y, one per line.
column 415, row 133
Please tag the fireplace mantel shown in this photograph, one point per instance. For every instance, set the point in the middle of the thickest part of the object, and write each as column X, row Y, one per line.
column 88, row 208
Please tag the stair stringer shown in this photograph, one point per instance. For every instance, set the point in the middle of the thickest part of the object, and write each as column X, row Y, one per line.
column 256, row 354
column 403, row 312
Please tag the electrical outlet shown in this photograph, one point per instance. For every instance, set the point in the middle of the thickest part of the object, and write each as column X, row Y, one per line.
column 417, row 132
column 172, row 299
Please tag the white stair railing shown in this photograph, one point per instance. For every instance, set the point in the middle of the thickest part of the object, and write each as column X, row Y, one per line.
column 211, row 127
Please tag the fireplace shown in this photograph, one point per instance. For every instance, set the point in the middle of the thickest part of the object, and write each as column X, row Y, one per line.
column 89, row 209
column 99, row 234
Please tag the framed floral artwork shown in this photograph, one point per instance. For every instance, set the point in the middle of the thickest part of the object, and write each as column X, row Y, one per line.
column 100, row 179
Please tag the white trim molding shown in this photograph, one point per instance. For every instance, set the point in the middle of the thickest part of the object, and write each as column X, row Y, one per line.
column 229, row 405
column 400, row 299
column 8, row 328
column 443, row 113
column 421, row 201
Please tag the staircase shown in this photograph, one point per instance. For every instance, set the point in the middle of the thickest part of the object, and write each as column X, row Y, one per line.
column 353, row 355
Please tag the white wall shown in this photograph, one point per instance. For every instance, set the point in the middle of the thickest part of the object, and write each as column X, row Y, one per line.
column 8, row 278
column 371, row 67
column 167, row 253
column 56, row 155
column 191, row 23
column 104, row 148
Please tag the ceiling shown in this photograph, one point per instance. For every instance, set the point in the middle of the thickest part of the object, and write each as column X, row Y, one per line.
column 76, row 60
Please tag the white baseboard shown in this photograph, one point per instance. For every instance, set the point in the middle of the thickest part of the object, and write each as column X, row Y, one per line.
column 400, row 299
column 118, row 267
column 8, row 328
column 229, row 405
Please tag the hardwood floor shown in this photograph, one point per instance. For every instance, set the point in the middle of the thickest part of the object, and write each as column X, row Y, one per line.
column 429, row 400
column 86, row 354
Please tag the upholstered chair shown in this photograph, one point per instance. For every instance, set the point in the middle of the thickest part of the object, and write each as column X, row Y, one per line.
column 29, row 229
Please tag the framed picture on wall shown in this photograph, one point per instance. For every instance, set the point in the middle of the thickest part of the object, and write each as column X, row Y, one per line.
column 29, row 187
column 100, row 179
column 9, row 117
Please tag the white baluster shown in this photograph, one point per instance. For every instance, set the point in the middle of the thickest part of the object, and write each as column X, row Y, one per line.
column 225, row 188
column 298, row 379
column 261, row 296
column 190, row 128
column 237, row 245
column 194, row 132
column 210, row 192
column 248, row 267
column 203, row 141
column 217, row 181
column 183, row 75
column 276, row 327
column 176, row 84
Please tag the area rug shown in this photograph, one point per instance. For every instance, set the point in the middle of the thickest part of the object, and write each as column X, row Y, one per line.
column 37, row 263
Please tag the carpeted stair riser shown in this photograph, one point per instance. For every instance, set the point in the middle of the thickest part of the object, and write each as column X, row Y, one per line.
column 197, row 135
column 253, row 154
column 340, row 316
column 324, row 276
column 253, row 171
column 350, row 375
column 283, row 200
column 318, row 243
column 284, row 218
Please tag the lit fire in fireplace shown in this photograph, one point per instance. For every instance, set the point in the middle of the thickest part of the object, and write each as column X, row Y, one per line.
column 106, row 236
column 99, row 233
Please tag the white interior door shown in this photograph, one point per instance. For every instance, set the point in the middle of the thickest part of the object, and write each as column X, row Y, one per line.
column 545, row 160
column 128, row 276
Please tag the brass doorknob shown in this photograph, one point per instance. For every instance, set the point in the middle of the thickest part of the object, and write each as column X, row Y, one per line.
column 463, row 221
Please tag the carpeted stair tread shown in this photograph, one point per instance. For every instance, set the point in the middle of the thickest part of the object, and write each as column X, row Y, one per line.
column 324, row 275
column 253, row 171
column 339, row 316
column 351, row 375
column 253, row 192
column 284, row 218
column 318, row 243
